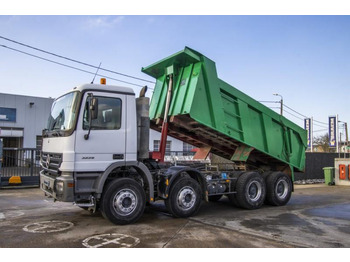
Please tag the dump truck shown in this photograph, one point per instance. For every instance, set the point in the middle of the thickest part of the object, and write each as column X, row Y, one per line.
column 95, row 150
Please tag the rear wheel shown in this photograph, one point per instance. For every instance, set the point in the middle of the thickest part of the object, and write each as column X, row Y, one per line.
column 123, row 201
column 279, row 189
column 233, row 197
column 233, row 200
column 266, row 174
column 251, row 190
column 185, row 198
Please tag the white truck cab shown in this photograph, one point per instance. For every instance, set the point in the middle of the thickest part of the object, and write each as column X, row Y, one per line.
column 91, row 131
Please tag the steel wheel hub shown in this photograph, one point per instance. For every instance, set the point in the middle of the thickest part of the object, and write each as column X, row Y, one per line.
column 282, row 189
column 186, row 198
column 254, row 190
column 125, row 202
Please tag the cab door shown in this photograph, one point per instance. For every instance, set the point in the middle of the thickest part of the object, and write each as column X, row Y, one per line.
column 106, row 141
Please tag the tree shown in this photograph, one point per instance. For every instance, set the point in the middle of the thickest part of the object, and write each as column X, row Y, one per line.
column 322, row 142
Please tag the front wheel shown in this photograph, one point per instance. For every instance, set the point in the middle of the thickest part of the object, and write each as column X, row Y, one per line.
column 123, row 201
column 185, row 198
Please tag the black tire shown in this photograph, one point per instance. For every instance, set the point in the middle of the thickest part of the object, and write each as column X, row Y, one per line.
column 185, row 198
column 123, row 201
column 279, row 189
column 233, row 200
column 266, row 174
column 232, row 197
column 251, row 190
column 214, row 198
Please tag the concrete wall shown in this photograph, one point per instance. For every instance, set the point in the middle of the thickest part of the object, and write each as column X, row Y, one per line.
column 338, row 180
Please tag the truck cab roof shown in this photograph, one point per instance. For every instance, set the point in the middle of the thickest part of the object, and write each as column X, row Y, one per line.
column 104, row 88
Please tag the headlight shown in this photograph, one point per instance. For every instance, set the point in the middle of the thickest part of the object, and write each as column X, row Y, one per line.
column 59, row 187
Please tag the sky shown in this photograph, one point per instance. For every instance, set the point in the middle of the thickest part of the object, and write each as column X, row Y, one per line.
column 306, row 59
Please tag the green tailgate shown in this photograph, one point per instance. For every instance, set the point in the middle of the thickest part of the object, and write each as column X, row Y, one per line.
column 206, row 111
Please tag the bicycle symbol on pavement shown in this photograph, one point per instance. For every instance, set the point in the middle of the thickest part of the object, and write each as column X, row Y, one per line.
column 48, row 226
column 111, row 240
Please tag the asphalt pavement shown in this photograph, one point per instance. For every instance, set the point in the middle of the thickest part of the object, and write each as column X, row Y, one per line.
column 316, row 216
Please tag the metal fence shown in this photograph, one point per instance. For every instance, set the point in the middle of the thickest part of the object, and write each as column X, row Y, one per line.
column 171, row 156
column 23, row 162
column 315, row 162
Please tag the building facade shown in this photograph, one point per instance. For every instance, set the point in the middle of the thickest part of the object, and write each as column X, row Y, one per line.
column 22, row 119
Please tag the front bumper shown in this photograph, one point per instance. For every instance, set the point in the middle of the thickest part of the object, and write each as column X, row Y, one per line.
column 60, row 188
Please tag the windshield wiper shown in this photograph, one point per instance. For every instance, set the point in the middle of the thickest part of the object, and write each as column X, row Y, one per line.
column 54, row 124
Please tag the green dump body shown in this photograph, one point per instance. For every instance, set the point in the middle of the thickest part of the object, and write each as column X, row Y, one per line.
column 207, row 112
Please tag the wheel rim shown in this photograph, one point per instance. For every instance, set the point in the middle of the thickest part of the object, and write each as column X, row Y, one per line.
column 254, row 190
column 281, row 189
column 186, row 198
column 125, row 202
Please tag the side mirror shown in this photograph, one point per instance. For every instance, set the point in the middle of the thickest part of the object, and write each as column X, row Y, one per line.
column 94, row 108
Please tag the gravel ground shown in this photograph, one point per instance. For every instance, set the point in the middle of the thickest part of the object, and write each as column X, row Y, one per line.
column 309, row 181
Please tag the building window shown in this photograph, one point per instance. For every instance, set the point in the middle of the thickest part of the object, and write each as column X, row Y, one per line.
column 188, row 147
column 156, row 146
column 8, row 114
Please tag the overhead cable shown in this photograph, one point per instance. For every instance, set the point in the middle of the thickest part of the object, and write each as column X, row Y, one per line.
column 294, row 115
column 294, row 111
column 321, row 130
column 76, row 61
column 72, row 67
column 305, row 116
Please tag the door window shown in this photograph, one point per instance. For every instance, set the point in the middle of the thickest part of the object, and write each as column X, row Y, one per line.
column 108, row 116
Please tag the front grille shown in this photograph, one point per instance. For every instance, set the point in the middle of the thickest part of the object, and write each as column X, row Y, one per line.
column 51, row 162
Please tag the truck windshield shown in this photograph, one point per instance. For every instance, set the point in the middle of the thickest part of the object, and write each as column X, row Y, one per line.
column 63, row 113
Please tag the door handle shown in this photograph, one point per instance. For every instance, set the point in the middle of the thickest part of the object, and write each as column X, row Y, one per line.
column 118, row 156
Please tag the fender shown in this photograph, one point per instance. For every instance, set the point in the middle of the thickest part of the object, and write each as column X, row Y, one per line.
column 140, row 167
column 173, row 173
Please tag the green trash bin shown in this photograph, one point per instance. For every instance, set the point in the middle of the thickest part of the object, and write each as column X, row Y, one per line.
column 328, row 175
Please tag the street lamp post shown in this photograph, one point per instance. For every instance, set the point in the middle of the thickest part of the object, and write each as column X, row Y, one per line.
column 280, row 102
